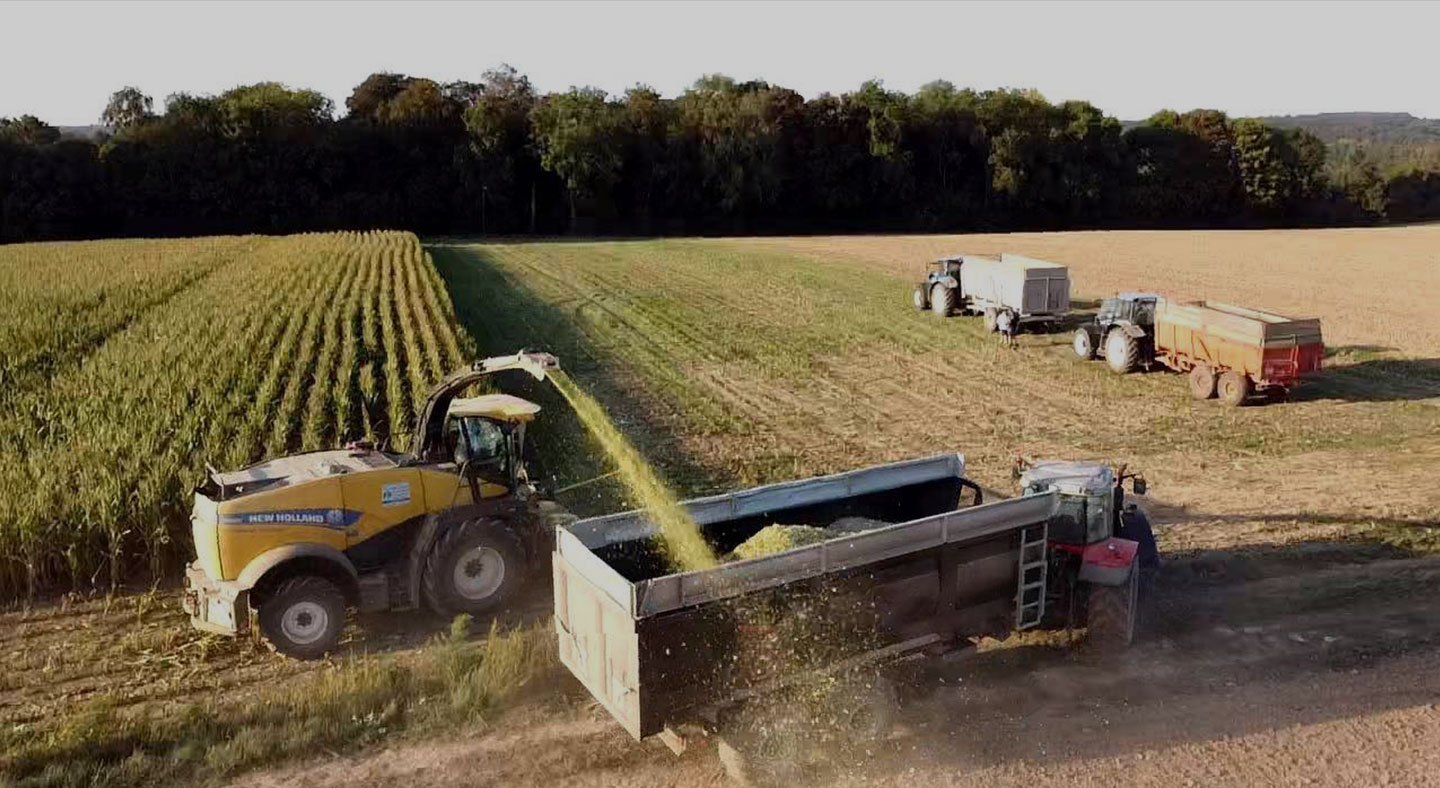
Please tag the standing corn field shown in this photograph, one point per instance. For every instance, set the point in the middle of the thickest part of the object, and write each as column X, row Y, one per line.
column 125, row 366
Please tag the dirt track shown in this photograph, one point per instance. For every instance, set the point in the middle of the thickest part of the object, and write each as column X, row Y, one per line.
column 1275, row 653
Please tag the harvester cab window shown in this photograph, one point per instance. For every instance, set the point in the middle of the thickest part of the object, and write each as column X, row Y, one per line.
column 485, row 445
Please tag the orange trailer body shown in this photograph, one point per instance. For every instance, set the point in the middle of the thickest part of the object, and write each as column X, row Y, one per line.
column 1271, row 350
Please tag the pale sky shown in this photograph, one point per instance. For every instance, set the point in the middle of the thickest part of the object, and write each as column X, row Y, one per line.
column 61, row 61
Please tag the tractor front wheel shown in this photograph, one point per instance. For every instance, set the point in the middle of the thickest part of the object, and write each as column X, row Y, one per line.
column 1110, row 614
column 1121, row 351
column 1084, row 346
column 1202, row 382
column 303, row 617
column 473, row 568
column 919, row 298
column 942, row 300
column 1234, row 388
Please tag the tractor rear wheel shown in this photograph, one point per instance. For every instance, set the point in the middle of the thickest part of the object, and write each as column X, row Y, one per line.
column 1234, row 388
column 919, row 298
column 1084, row 346
column 473, row 568
column 1202, row 382
column 942, row 300
column 763, row 744
column 1121, row 351
column 303, row 617
column 1110, row 614
column 992, row 320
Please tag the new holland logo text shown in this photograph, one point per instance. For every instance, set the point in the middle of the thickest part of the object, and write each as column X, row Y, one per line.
column 328, row 518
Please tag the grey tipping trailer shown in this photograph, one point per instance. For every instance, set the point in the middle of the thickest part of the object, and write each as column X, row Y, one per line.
column 661, row 649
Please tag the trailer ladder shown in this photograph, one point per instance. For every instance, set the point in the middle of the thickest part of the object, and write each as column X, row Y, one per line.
column 1030, row 594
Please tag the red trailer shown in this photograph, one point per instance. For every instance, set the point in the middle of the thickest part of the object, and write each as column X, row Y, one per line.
column 1234, row 351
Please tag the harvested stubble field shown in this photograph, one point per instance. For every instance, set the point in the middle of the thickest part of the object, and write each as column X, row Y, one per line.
column 1294, row 638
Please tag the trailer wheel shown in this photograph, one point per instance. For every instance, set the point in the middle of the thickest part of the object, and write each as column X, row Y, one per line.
column 919, row 298
column 942, row 300
column 473, row 568
column 303, row 618
column 1084, row 346
column 1202, row 382
column 1121, row 351
column 1234, row 388
column 992, row 320
column 1110, row 615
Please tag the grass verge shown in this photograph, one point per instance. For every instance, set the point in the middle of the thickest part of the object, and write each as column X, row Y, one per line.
column 452, row 682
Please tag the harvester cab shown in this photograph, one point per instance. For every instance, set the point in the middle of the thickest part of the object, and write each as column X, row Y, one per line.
column 286, row 545
column 1103, row 550
column 1122, row 332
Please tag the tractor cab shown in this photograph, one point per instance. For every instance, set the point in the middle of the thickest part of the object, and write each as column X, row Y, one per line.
column 1092, row 498
column 945, row 266
column 1133, row 308
column 1092, row 516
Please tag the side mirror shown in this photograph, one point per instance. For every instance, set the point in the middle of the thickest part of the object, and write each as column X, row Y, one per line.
column 1138, row 483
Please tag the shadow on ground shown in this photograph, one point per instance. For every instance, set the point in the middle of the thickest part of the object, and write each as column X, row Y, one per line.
column 1232, row 643
column 503, row 317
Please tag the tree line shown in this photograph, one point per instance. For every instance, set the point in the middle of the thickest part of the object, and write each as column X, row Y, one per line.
column 497, row 157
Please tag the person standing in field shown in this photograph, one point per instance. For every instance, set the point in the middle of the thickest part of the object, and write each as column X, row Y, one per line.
column 1006, row 324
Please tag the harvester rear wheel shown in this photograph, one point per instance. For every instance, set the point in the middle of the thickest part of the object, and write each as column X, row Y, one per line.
column 942, row 300
column 473, row 568
column 1234, row 388
column 1084, row 346
column 1121, row 351
column 1202, row 382
column 1110, row 614
column 303, row 617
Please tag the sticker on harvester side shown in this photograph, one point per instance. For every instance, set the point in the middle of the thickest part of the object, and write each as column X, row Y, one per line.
column 395, row 494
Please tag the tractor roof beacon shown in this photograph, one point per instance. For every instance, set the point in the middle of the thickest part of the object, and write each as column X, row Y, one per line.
column 286, row 545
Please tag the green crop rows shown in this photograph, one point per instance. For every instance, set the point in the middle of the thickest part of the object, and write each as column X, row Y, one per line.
column 126, row 366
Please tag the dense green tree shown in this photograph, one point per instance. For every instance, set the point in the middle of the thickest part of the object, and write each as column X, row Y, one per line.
column 580, row 136
column 128, row 107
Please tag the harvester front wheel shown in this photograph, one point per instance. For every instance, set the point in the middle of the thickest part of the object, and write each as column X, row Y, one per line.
column 1121, row 351
column 1084, row 346
column 1202, row 382
column 473, row 568
column 1110, row 614
column 303, row 617
column 1234, row 388
column 992, row 320
column 942, row 300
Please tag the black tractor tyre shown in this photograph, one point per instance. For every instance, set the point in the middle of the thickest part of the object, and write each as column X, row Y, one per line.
column 303, row 617
column 942, row 300
column 864, row 709
column 1083, row 345
column 1122, row 352
column 763, row 746
column 1234, row 388
column 992, row 320
column 1202, row 382
column 1111, row 614
column 474, row 567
